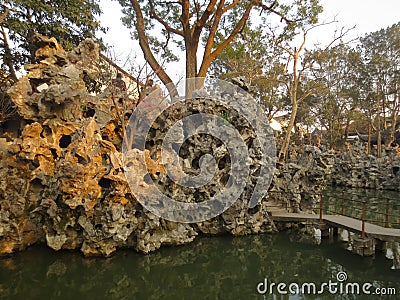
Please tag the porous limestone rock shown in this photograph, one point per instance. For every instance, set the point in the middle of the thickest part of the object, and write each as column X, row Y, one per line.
column 54, row 88
column 298, row 184
column 62, row 181
column 354, row 168
column 19, row 223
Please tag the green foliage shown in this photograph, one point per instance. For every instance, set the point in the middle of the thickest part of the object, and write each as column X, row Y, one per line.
column 7, row 108
column 334, row 106
column 249, row 56
column 213, row 24
column 379, row 70
column 300, row 14
column 69, row 21
column 167, row 11
column 354, row 86
column 363, row 85
column 227, row 118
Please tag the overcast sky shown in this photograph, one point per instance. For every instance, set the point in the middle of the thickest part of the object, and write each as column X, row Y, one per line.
column 366, row 15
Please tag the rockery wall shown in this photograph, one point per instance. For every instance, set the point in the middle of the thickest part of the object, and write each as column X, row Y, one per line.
column 62, row 181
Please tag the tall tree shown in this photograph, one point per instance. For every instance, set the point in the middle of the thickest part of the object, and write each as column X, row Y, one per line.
column 336, row 105
column 247, row 56
column 68, row 21
column 299, row 77
column 380, row 53
column 188, row 23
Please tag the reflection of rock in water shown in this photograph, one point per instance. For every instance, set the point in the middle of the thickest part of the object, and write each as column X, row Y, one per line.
column 307, row 234
column 390, row 250
column 58, row 268
column 396, row 256
column 213, row 267
column 393, row 253
column 318, row 236
column 345, row 235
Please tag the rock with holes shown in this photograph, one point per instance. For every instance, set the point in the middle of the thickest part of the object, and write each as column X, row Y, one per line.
column 55, row 87
column 62, row 181
column 20, row 224
column 297, row 184
column 354, row 168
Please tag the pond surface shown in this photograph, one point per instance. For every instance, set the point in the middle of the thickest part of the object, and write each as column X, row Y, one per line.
column 209, row 268
column 221, row 267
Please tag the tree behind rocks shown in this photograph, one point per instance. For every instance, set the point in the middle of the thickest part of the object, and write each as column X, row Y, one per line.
column 69, row 21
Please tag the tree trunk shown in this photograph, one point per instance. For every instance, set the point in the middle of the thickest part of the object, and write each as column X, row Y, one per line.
column 369, row 139
column 209, row 53
column 346, row 129
column 394, row 118
column 379, row 142
column 285, row 146
column 384, row 112
column 191, row 60
column 8, row 55
column 191, row 68
column 144, row 45
column 293, row 97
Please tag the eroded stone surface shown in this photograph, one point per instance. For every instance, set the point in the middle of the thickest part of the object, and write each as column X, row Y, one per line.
column 62, row 181
column 354, row 168
column 297, row 185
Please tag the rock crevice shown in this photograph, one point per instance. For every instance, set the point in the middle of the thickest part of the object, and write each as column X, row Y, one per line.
column 62, row 181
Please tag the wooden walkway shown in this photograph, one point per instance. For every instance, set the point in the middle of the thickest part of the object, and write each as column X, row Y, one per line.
column 350, row 224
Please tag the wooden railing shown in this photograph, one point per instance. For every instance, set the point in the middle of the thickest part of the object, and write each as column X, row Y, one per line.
column 354, row 205
column 364, row 207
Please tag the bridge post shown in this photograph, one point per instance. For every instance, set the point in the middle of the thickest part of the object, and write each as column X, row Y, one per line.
column 364, row 247
column 342, row 202
column 321, row 205
column 387, row 213
column 363, row 221
column 335, row 231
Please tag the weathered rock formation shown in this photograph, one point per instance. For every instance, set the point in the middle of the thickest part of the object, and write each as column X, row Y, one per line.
column 354, row 168
column 297, row 184
column 62, row 181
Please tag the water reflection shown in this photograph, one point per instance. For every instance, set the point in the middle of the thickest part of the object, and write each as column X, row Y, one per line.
column 392, row 252
column 209, row 268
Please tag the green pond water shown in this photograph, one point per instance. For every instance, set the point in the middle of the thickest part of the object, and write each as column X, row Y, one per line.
column 221, row 267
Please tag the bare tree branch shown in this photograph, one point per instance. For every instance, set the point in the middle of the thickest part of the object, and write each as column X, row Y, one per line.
column 144, row 44
column 167, row 27
column 8, row 55
column 271, row 9
column 230, row 6
column 204, row 18
column 210, row 56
